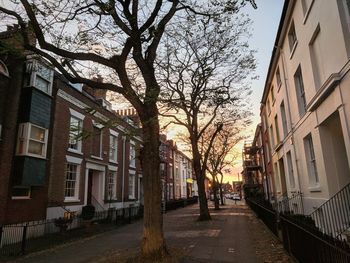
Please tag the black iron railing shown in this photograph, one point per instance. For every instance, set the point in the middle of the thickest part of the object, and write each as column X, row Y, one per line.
column 308, row 245
column 290, row 204
column 333, row 217
column 301, row 237
column 19, row 239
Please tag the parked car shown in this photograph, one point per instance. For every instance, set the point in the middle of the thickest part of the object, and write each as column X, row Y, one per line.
column 236, row 197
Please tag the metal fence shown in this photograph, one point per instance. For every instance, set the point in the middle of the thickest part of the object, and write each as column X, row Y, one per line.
column 18, row 239
column 333, row 217
column 300, row 235
column 175, row 204
column 309, row 246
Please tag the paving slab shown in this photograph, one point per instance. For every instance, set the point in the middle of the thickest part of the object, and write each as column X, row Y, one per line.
column 233, row 235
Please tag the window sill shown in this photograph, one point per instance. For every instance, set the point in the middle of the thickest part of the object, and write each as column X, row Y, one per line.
column 21, row 198
column 113, row 161
column 97, row 157
column 32, row 155
column 72, row 200
column 110, row 201
column 75, row 151
column 315, row 189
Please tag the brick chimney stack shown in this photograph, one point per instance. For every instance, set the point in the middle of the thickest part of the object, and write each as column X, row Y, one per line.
column 97, row 93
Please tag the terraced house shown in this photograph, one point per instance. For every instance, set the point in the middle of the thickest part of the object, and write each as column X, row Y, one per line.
column 62, row 146
column 305, row 112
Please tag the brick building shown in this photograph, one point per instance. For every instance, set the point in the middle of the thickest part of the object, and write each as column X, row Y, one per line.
column 61, row 145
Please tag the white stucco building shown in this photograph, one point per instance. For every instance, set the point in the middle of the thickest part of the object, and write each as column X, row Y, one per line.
column 307, row 101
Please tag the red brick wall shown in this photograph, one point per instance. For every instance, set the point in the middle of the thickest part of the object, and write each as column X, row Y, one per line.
column 90, row 148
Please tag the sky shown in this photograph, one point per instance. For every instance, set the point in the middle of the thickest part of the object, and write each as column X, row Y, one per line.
column 265, row 21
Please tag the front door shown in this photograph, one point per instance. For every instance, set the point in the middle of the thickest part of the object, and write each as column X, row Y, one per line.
column 90, row 182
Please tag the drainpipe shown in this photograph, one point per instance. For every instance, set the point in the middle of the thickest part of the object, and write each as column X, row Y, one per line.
column 123, row 170
column 281, row 51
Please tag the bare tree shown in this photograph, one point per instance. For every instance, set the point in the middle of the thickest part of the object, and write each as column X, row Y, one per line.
column 222, row 154
column 120, row 40
column 203, row 69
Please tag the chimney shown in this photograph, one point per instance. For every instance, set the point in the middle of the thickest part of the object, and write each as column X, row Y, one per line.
column 97, row 93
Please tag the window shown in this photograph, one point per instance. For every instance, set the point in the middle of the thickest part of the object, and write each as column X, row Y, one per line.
column 75, row 132
column 311, row 160
column 97, row 142
column 316, row 55
column 170, row 171
column 32, row 140
column 171, row 191
column 278, row 77
column 132, row 154
column 300, row 92
column 41, row 76
column 272, row 138
column 273, row 94
column 71, row 189
column 112, row 185
column 21, row 192
column 131, row 186
column 304, row 6
column 277, row 130
column 268, row 106
column 267, row 153
column 113, row 147
column 292, row 38
column 277, row 178
column 290, row 170
column 284, row 120
column 264, row 122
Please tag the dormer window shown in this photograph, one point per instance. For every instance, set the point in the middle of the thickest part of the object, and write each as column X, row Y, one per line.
column 41, row 76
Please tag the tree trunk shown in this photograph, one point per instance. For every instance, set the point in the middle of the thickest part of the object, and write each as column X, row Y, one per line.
column 200, row 176
column 221, row 192
column 215, row 192
column 153, row 243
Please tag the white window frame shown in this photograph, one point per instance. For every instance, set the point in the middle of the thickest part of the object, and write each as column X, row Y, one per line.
column 314, row 180
column 80, row 117
column 132, row 154
column 110, row 184
column 300, row 91
column 284, row 119
column 292, row 39
column 290, row 170
column 132, row 178
column 24, row 131
column 113, row 135
column 73, row 161
column 34, row 66
column 278, row 78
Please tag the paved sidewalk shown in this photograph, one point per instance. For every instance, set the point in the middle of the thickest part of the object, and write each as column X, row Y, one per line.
column 234, row 235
